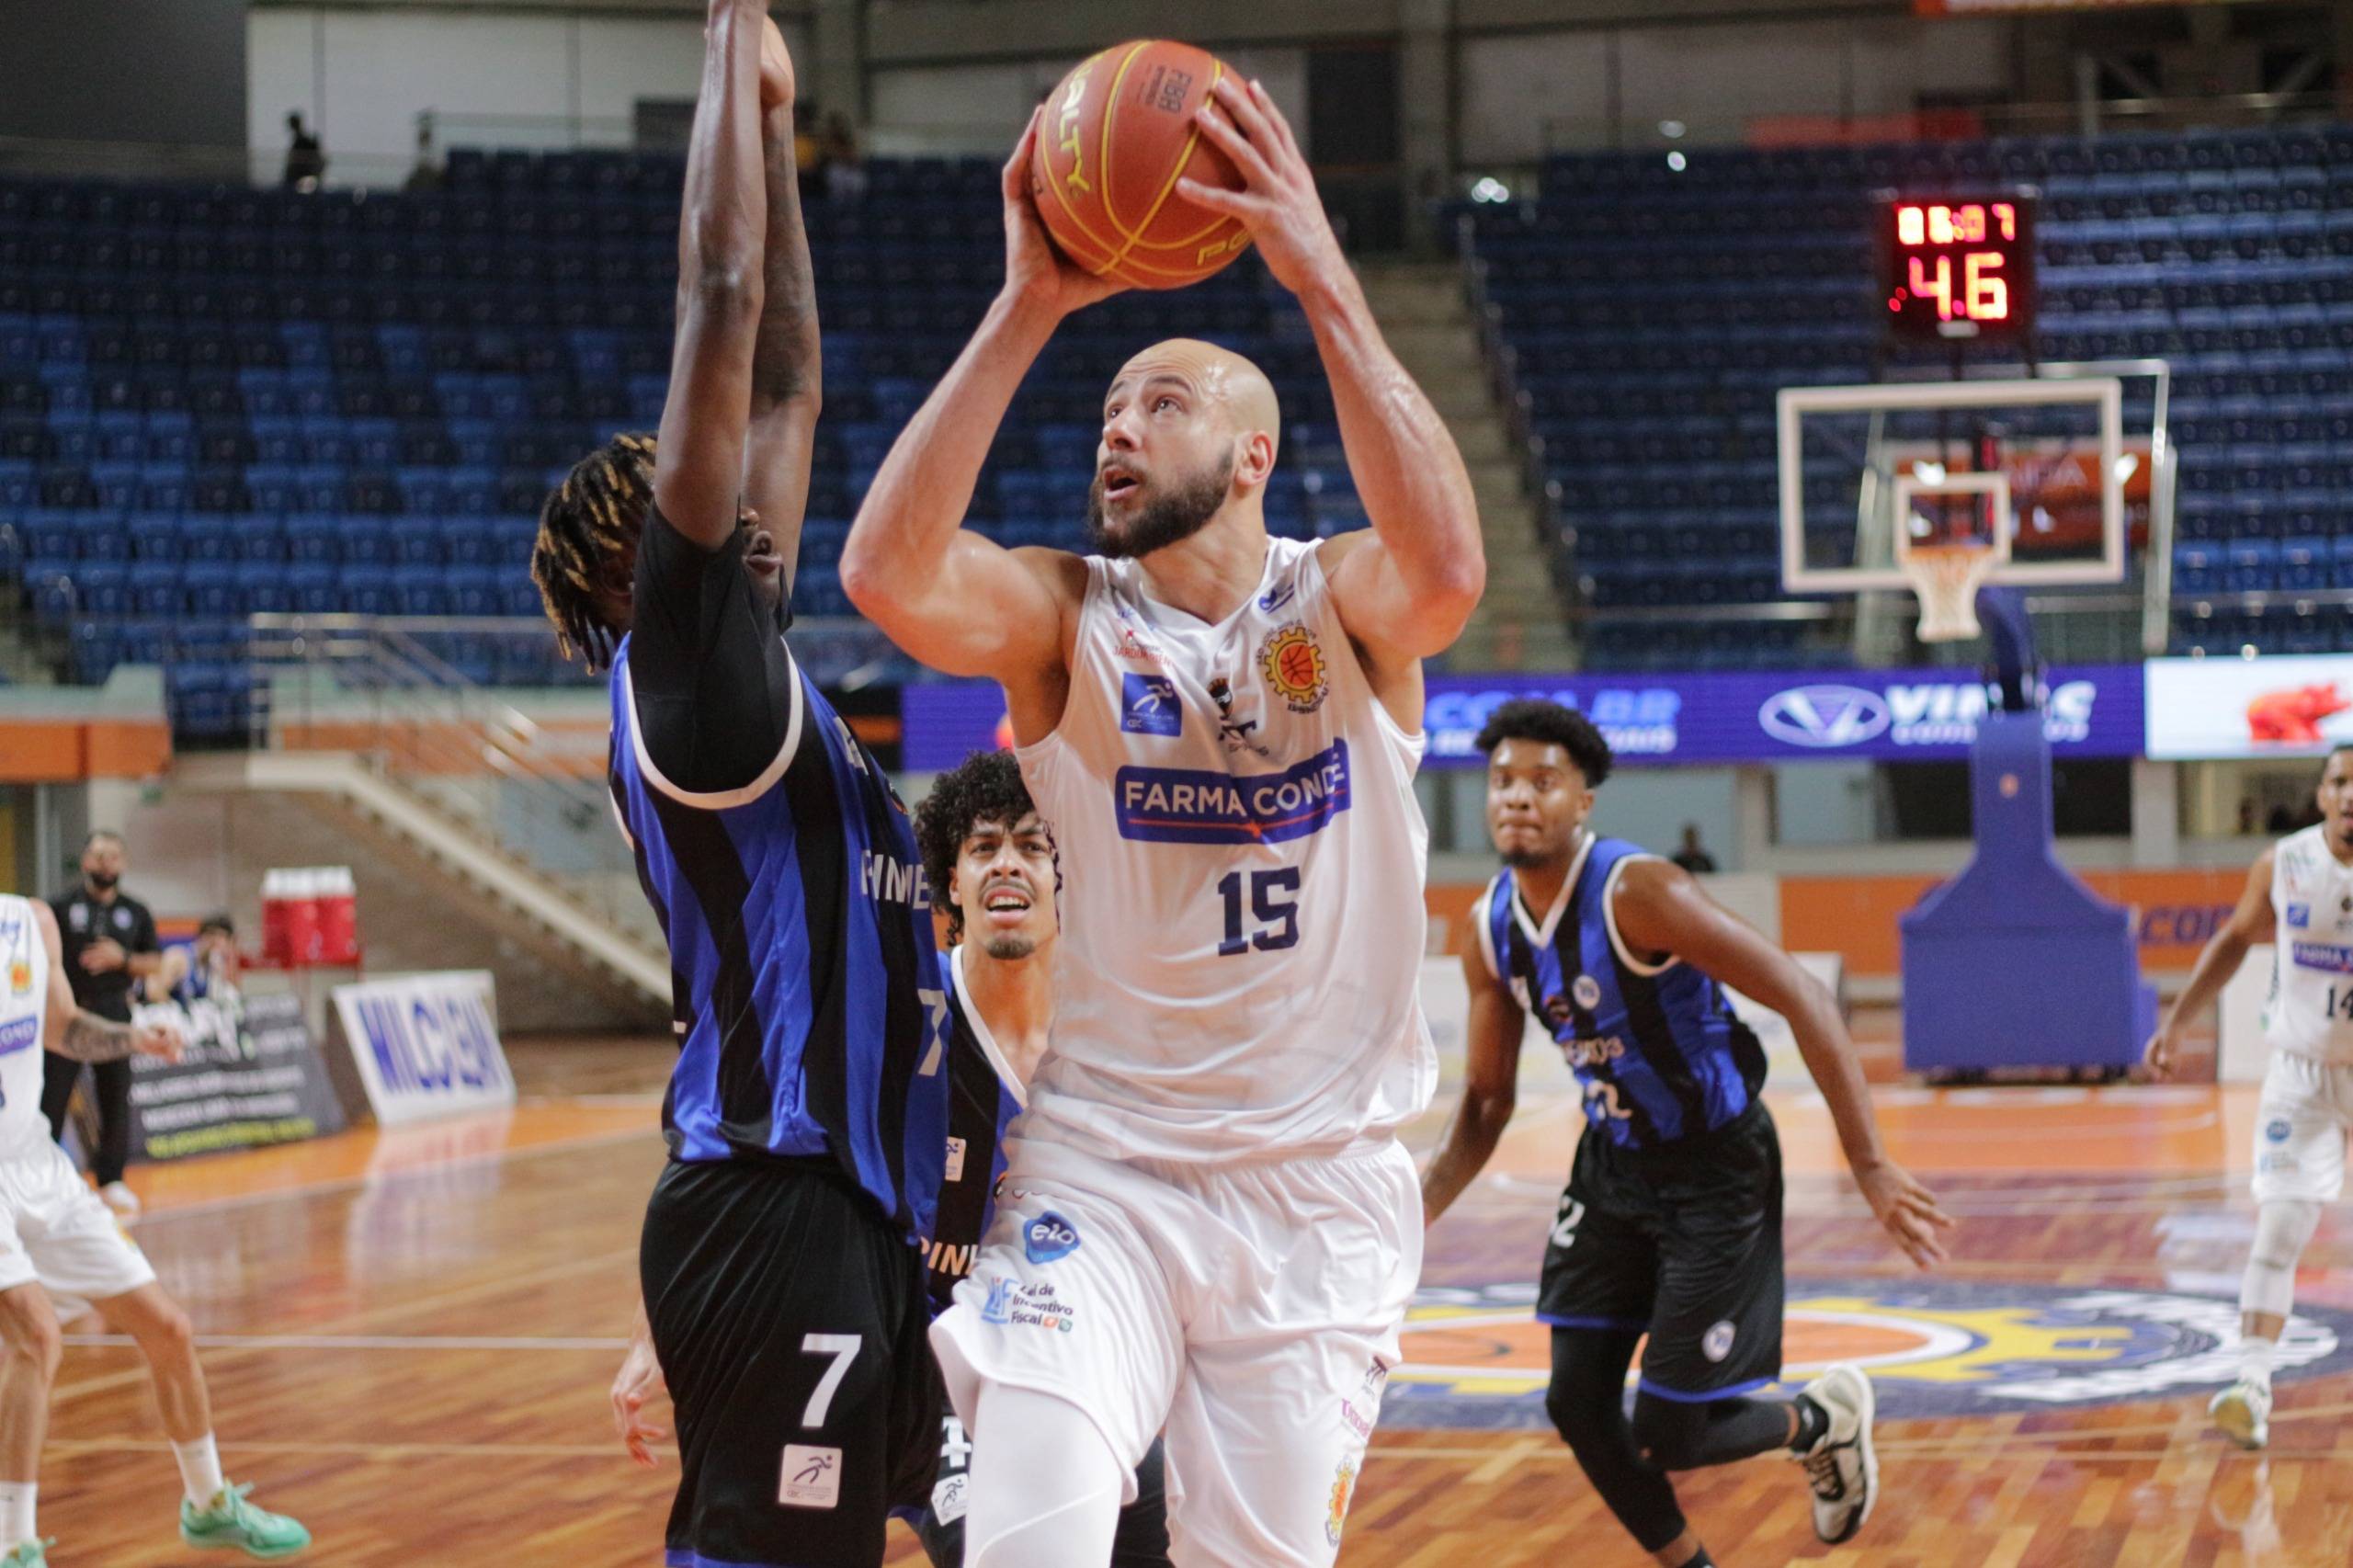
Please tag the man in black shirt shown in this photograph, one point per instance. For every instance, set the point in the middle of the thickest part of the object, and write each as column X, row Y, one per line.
column 109, row 946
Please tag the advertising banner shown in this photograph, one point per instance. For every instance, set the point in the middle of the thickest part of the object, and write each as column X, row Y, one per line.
column 427, row 1045
column 2272, row 706
column 252, row 1075
column 1705, row 718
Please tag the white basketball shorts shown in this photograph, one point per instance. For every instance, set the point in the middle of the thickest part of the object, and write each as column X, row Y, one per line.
column 2300, row 1126
column 55, row 1231
column 1252, row 1311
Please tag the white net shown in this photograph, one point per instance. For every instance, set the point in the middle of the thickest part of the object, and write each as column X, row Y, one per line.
column 1946, row 577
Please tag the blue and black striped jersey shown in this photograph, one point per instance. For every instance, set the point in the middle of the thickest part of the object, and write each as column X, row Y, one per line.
column 806, row 990
column 1661, row 1053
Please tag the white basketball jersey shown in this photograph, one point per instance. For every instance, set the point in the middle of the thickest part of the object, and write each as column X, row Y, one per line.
column 24, row 1010
column 2311, row 1008
column 1243, row 853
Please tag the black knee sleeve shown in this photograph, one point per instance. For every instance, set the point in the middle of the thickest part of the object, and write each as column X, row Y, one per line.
column 1676, row 1435
column 1585, row 1401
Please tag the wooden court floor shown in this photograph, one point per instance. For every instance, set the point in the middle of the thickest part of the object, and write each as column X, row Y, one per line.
column 410, row 1335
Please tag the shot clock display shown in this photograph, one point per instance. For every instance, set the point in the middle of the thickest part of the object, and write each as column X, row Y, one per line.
column 1957, row 266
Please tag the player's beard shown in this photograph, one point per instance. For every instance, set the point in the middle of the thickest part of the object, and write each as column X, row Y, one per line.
column 1008, row 947
column 1531, row 859
column 1166, row 518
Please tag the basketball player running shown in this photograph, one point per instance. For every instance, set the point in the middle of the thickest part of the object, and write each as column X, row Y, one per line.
column 2299, row 894
column 1671, row 1223
column 60, row 1245
column 1208, row 1223
column 807, row 1114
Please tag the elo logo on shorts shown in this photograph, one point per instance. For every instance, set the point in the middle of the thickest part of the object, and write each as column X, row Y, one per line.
column 1187, row 805
column 1048, row 1238
column 1476, row 1358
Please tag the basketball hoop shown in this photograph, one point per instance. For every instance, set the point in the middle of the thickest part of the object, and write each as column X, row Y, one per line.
column 1946, row 577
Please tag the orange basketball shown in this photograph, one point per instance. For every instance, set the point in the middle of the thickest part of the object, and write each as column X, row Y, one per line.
column 1298, row 663
column 1119, row 134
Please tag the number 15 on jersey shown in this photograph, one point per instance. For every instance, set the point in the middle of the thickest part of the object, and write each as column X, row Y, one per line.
column 1271, row 920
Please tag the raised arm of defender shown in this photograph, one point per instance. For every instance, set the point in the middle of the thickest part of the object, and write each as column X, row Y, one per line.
column 1661, row 909
column 954, row 598
column 1405, row 591
column 788, row 381
column 699, row 473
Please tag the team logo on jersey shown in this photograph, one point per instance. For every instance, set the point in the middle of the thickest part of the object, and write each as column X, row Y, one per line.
column 1148, row 706
column 2300, row 915
column 1293, row 665
column 1477, row 1357
column 1716, row 1344
column 1344, row 1491
column 1048, row 1238
column 1587, row 991
column 2276, row 1129
column 1234, row 732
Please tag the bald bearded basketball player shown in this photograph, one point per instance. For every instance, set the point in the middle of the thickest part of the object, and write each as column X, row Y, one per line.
column 1208, row 1222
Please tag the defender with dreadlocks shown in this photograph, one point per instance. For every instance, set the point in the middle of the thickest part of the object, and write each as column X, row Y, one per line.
column 807, row 1115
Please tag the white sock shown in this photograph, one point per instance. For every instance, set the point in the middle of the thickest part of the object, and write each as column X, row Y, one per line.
column 2255, row 1358
column 16, row 1499
column 199, row 1469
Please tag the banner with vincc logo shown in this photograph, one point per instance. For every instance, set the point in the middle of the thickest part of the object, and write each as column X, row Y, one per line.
column 1690, row 717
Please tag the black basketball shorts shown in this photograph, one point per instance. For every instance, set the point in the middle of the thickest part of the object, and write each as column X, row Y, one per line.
column 1682, row 1243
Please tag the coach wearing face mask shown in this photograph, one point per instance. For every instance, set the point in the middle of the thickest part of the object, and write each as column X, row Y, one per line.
column 109, row 945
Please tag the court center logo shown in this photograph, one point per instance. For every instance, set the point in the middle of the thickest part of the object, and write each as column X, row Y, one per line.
column 1294, row 668
column 1475, row 1357
column 1825, row 717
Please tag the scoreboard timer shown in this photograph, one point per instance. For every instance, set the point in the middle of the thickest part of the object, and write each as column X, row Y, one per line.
column 1954, row 268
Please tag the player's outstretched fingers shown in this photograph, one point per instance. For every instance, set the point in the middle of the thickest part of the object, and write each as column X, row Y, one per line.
column 1225, row 133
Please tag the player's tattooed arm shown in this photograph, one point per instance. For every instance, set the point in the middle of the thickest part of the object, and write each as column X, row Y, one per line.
column 1491, row 1073
column 82, row 1036
column 2250, row 923
column 1660, row 909
column 787, row 367
column 1405, row 594
column 698, row 481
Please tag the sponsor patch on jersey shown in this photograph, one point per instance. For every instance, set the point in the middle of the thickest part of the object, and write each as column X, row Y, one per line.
column 19, row 1034
column 2335, row 958
column 1716, row 1344
column 2300, row 915
column 1048, row 1238
column 1274, row 598
column 20, row 977
column 1587, row 991
column 2276, row 1129
column 1148, row 706
column 1293, row 667
column 1183, row 805
column 811, row 1478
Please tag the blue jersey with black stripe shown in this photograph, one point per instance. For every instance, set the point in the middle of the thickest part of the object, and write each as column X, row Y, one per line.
column 1658, row 1049
column 806, row 990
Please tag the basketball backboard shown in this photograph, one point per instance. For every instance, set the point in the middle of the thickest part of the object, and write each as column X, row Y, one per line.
column 2036, row 473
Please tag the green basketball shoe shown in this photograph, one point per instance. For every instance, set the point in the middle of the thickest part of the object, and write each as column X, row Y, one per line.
column 233, row 1521
column 28, row 1555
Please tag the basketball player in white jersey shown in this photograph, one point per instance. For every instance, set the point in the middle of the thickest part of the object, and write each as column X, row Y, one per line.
column 58, row 1240
column 2299, row 895
column 1208, row 1221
